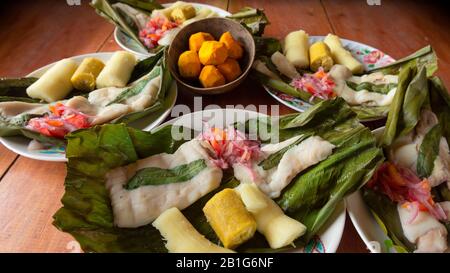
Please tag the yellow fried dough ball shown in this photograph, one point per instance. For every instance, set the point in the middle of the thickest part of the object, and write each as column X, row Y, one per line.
column 213, row 53
column 189, row 64
column 196, row 40
column 230, row 69
column 210, row 76
column 235, row 50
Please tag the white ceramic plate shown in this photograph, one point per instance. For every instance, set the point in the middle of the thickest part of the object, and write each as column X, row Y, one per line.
column 128, row 44
column 363, row 220
column 369, row 56
column 19, row 144
column 329, row 237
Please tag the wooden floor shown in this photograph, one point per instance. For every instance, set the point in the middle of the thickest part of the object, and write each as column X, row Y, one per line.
column 35, row 33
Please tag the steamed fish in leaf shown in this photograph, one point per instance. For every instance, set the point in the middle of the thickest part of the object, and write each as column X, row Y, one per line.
column 362, row 96
column 141, row 205
column 109, row 104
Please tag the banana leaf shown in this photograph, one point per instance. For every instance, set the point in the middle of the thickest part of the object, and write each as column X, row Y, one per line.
column 266, row 46
column 105, row 9
column 87, row 214
column 423, row 57
column 254, row 20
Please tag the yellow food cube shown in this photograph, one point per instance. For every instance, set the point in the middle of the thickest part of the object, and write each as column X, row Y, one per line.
column 196, row 40
column 230, row 69
column 320, row 56
column 229, row 218
column 235, row 50
column 86, row 74
column 210, row 76
column 183, row 13
column 189, row 64
column 213, row 52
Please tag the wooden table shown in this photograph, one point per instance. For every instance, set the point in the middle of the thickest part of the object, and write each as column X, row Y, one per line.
column 35, row 33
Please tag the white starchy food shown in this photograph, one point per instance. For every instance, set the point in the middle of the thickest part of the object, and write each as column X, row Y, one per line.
column 117, row 71
column 262, row 68
column 303, row 155
column 140, row 206
column 353, row 97
column 96, row 105
column 201, row 14
column 341, row 55
column 283, row 65
column 425, row 231
column 296, row 48
column 181, row 236
column 55, row 84
column 167, row 11
column 279, row 229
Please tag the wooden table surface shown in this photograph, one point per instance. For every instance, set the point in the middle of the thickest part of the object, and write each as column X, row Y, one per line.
column 35, row 33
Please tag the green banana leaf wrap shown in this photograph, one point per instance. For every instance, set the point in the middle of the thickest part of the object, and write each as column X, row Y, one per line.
column 15, row 90
column 424, row 58
column 311, row 197
column 416, row 91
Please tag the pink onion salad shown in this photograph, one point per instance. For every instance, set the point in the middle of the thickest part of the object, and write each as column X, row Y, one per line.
column 319, row 84
column 403, row 186
column 155, row 30
column 230, row 146
column 60, row 121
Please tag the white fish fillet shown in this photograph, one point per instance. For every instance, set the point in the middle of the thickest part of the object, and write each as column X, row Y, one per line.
column 425, row 231
column 96, row 105
column 140, row 206
column 366, row 97
column 405, row 150
column 307, row 153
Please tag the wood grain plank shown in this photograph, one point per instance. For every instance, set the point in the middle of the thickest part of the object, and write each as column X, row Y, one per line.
column 30, row 194
column 31, row 191
column 289, row 15
column 46, row 32
column 6, row 159
column 398, row 28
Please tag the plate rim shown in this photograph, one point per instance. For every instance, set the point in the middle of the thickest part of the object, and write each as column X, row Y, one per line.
column 339, row 216
column 355, row 203
column 61, row 157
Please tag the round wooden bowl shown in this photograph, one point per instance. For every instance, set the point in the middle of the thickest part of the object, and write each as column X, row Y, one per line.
column 216, row 27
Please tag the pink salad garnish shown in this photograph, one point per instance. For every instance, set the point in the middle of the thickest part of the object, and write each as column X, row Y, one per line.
column 61, row 121
column 155, row 30
column 229, row 146
column 403, row 186
column 318, row 84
